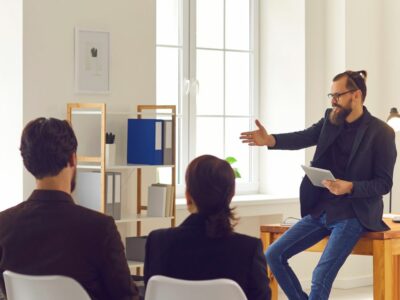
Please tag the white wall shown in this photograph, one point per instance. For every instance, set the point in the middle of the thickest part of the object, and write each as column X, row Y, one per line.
column 49, row 55
column 282, row 90
column 389, row 95
column 364, row 48
column 10, row 102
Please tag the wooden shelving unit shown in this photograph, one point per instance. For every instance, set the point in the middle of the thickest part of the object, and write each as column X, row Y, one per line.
column 97, row 163
column 140, row 207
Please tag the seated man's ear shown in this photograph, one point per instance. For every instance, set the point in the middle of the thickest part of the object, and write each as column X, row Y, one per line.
column 73, row 161
column 188, row 198
column 191, row 205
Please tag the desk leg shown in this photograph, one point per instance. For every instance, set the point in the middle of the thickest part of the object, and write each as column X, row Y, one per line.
column 396, row 277
column 383, row 269
column 267, row 240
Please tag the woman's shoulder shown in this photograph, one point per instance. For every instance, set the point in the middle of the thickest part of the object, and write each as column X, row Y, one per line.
column 244, row 238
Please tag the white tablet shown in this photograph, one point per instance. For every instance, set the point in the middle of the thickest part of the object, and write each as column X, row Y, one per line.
column 317, row 175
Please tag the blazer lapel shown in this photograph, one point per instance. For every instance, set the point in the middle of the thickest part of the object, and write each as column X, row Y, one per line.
column 359, row 136
column 330, row 135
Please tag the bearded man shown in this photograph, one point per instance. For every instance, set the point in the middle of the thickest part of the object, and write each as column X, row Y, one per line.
column 360, row 151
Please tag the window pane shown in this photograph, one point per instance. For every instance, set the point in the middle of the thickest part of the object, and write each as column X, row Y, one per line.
column 210, row 76
column 167, row 22
column 167, row 76
column 209, row 23
column 237, row 24
column 234, row 146
column 209, row 136
column 237, row 89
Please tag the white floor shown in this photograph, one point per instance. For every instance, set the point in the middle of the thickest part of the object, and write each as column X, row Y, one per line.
column 363, row 293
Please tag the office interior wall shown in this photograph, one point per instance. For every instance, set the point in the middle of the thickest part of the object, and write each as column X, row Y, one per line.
column 10, row 102
column 388, row 94
column 48, row 51
column 282, row 90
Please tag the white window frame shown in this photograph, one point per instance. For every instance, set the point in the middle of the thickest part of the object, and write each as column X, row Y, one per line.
column 187, row 101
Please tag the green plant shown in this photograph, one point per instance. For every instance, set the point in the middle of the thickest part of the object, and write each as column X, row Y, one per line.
column 231, row 160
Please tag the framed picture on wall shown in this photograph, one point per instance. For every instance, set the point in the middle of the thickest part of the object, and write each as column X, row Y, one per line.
column 92, row 61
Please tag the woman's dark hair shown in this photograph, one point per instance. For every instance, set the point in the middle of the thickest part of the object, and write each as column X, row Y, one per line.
column 46, row 146
column 210, row 181
column 355, row 81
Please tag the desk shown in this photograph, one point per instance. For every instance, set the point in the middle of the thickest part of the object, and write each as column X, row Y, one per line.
column 383, row 246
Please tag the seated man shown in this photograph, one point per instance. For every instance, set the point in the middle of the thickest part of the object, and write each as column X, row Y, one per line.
column 49, row 234
column 204, row 246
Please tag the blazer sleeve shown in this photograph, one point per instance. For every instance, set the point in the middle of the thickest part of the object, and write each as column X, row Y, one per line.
column 299, row 139
column 148, row 261
column 383, row 166
column 157, row 245
column 258, row 283
column 114, row 269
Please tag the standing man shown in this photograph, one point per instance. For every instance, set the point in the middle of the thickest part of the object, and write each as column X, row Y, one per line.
column 49, row 234
column 360, row 151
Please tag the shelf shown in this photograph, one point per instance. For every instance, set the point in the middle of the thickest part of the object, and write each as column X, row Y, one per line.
column 133, row 265
column 121, row 167
column 89, row 167
column 134, row 166
column 142, row 218
column 86, row 112
column 135, row 114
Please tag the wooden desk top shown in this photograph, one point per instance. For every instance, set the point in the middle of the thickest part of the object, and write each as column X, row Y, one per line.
column 393, row 233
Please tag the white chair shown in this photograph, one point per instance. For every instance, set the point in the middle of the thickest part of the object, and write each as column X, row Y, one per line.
column 166, row 288
column 27, row 287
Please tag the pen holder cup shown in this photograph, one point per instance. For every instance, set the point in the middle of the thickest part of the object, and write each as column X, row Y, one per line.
column 110, row 154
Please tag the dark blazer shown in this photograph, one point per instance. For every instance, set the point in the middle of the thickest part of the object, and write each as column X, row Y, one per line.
column 50, row 235
column 370, row 166
column 185, row 252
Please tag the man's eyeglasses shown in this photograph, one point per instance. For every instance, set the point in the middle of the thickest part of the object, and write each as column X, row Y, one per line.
column 336, row 96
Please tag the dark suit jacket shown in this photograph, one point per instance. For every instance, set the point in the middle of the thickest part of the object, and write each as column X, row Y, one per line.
column 185, row 252
column 50, row 235
column 370, row 166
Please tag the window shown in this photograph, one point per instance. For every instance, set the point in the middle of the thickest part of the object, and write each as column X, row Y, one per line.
column 206, row 66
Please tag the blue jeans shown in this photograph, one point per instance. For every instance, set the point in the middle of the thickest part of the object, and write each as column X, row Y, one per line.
column 344, row 234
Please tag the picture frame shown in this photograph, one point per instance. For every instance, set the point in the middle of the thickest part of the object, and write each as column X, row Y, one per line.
column 92, row 61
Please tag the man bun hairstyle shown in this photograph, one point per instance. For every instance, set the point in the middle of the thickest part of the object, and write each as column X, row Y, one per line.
column 355, row 81
column 46, row 146
column 210, row 181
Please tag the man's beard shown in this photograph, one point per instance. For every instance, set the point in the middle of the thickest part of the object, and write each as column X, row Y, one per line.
column 73, row 182
column 338, row 118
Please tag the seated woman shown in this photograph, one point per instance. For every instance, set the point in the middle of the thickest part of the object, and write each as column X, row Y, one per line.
column 204, row 246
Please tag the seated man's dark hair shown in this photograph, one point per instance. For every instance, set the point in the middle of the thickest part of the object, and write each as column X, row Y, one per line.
column 47, row 146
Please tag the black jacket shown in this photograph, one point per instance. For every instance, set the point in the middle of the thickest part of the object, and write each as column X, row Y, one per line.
column 370, row 166
column 185, row 252
column 50, row 235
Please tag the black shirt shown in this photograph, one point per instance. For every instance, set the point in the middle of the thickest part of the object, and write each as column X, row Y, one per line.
column 338, row 207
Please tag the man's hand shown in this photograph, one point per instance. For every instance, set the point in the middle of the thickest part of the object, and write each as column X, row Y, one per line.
column 258, row 137
column 338, row 186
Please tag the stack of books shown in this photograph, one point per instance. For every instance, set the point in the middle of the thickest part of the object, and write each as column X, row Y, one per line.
column 160, row 200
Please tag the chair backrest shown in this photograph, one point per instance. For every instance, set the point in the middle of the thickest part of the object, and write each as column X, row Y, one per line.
column 166, row 288
column 54, row 287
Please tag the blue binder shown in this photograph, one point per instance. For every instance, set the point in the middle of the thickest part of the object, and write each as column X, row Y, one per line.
column 145, row 141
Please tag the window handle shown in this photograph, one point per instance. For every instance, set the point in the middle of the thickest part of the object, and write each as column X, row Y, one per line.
column 186, row 86
column 197, row 85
